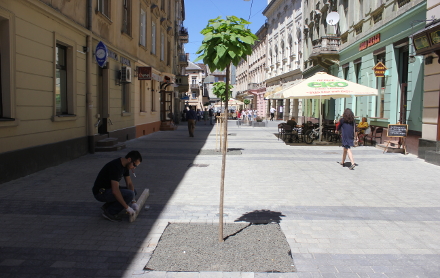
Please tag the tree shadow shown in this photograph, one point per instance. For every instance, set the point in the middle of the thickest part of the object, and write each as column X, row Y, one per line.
column 261, row 217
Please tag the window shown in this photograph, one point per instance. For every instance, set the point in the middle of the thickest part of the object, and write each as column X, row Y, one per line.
column 125, row 98
column 6, row 90
column 143, row 100
column 168, row 53
column 162, row 46
column 282, row 50
column 153, row 37
column 377, row 16
column 169, row 9
column 402, row 3
column 142, row 31
column 126, row 18
column 61, row 81
column 104, row 7
column 162, row 5
column 153, row 95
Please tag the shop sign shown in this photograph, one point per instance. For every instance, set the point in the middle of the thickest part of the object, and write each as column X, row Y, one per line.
column 101, row 54
column 125, row 61
column 370, row 42
column 379, row 69
column 112, row 55
column 435, row 37
column 421, row 42
column 327, row 84
column 144, row 73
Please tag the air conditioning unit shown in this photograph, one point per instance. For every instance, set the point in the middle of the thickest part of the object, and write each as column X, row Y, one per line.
column 126, row 74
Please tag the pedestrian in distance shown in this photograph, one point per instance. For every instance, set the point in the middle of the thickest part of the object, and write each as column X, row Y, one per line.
column 211, row 115
column 272, row 113
column 199, row 115
column 191, row 118
column 347, row 126
column 205, row 115
column 118, row 200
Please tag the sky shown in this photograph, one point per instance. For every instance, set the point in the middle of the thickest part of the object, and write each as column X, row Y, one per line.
column 198, row 12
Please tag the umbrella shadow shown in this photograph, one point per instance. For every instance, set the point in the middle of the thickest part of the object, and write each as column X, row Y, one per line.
column 261, row 217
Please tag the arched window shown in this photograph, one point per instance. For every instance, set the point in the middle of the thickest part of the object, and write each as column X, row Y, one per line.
column 282, row 50
column 290, row 45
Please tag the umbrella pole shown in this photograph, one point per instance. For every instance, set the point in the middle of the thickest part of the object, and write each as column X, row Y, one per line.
column 320, row 118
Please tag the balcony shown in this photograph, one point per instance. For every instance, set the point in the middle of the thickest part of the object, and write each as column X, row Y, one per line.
column 195, row 86
column 183, row 60
column 183, row 35
column 182, row 81
column 252, row 86
column 326, row 50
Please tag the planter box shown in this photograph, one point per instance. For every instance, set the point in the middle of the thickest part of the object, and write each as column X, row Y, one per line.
column 261, row 124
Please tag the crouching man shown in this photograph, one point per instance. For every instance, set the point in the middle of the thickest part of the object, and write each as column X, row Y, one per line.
column 118, row 200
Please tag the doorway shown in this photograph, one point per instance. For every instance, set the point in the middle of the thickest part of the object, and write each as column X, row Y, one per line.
column 166, row 106
column 403, row 60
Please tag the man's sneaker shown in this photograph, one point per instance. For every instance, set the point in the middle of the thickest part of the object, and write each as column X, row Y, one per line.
column 104, row 207
column 111, row 217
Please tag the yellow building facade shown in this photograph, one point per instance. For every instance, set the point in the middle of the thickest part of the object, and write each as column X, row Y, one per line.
column 56, row 101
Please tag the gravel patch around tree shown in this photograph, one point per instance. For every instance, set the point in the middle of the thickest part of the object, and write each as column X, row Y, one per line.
column 246, row 248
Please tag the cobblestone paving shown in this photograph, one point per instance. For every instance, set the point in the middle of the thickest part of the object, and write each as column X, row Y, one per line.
column 379, row 220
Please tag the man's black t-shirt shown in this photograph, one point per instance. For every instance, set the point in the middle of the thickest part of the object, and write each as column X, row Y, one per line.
column 114, row 170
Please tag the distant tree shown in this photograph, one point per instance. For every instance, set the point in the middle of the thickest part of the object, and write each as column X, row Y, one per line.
column 219, row 90
column 225, row 42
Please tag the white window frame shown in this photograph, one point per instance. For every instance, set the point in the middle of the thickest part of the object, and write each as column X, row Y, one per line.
column 143, row 28
column 7, row 69
column 126, row 17
column 104, row 7
column 70, row 112
column 162, row 46
column 153, row 37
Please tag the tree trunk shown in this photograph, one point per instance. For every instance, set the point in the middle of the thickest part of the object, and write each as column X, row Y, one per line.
column 224, row 151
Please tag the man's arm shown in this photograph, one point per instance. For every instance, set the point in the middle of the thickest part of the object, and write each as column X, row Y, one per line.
column 117, row 193
column 129, row 183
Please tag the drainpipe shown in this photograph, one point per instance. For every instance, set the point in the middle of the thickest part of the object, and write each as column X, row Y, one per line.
column 89, row 97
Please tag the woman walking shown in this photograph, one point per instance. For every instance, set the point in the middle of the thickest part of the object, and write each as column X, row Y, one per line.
column 347, row 127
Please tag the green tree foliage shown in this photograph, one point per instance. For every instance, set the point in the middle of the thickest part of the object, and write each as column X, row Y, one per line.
column 246, row 101
column 219, row 90
column 225, row 42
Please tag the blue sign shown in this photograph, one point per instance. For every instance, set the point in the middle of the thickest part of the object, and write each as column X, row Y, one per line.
column 101, row 54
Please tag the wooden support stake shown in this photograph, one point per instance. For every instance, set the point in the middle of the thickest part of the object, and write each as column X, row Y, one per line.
column 141, row 202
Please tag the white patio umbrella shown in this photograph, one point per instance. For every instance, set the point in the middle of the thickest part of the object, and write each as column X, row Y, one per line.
column 325, row 86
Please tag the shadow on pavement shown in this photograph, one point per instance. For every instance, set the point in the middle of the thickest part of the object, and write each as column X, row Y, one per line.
column 261, row 217
column 52, row 225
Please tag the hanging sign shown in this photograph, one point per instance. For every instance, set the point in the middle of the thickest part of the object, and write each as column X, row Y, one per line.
column 379, row 69
column 101, row 54
column 144, row 73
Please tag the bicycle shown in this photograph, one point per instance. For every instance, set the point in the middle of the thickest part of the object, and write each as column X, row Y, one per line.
column 311, row 135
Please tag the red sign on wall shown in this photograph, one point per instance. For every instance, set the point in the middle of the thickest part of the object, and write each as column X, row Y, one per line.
column 144, row 73
column 370, row 42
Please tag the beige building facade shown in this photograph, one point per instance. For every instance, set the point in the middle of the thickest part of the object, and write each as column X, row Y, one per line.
column 284, row 54
column 251, row 74
column 427, row 45
column 57, row 102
